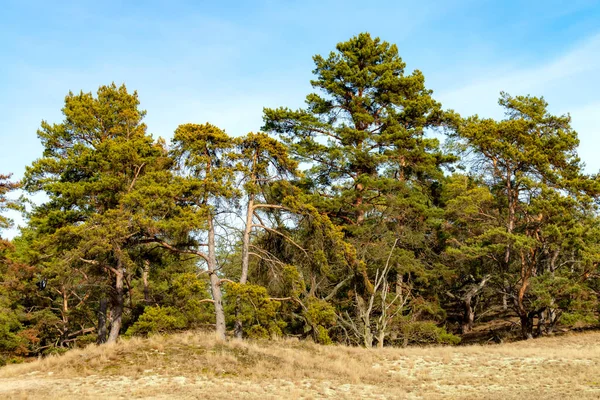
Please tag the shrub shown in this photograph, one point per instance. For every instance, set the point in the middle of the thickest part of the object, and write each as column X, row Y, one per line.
column 157, row 319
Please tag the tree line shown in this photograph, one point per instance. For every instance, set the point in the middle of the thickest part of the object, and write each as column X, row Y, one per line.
column 343, row 221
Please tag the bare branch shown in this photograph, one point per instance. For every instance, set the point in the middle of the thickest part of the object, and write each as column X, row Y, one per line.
column 166, row 245
column 137, row 173
column 336, row 288
column 270, row 206
column 94, row 262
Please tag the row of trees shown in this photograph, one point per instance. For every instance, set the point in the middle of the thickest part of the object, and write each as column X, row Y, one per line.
column 345, row 221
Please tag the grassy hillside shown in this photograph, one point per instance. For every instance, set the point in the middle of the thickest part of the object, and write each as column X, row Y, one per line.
column 194, row 365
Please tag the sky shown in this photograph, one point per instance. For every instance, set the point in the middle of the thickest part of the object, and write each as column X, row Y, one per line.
column 223, row 61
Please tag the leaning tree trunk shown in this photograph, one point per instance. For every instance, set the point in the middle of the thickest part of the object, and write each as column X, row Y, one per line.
column 469, row 310
column 215, row 282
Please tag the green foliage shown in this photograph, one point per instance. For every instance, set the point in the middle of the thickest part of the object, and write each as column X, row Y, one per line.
column 347, row 225
column 321, row 316
column 293, row 282
column 10, row 325
column 157, row 319
column 183, row 291
column 6, row 186
column 426, row 332
column 520, row 224
column 372, row 171
column 257, row 311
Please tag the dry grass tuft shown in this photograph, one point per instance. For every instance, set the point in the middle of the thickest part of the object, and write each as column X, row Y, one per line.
column 194, row 364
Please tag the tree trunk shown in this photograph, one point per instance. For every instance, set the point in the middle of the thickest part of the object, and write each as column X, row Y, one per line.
column 145, row 275
column 360, row 213
column 527, row 271
column 505, row 296
column 552, row 319
column 405, row 340
column 468, row 317
column 245, row 262
column 365, row 317
column 509, row 229
column 102, row 328
column 368, row 337
column 526, row 326
column 65, row 314
column 117, row 309
column 541, row 325
column 246, row 240
column 400, row 288
column 510, row 226
column 215, row 282
column 471, row 293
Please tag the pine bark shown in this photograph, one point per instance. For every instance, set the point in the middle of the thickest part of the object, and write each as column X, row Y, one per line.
column 215, row 283
column 145, row 275
column 117, row 309
column 238, row 330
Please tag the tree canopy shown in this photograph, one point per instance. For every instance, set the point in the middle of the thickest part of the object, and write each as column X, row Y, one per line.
column 343, row 221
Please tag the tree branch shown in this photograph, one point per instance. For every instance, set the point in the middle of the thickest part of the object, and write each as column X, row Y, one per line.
column 281, row 234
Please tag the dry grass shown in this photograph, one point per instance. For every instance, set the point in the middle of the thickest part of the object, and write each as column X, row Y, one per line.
column 194, row 365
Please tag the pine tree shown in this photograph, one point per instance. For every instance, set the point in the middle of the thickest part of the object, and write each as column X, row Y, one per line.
column 204, row 154
column 6, row 186
column 530, row 162
column 90, row 169
column 373, row 170
column 266, row 168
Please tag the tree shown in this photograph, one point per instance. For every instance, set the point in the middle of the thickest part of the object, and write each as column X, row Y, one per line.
column 10, row 308
column 266, row 168
column 372, row 169
column 92, row 164
column 6, row 186
column 530, row 163
column 205, row 162
column 470, row 212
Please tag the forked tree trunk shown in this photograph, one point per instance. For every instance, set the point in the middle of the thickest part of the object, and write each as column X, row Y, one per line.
column 470, row 295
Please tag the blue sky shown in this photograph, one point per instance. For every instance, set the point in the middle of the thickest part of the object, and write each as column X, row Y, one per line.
column 222, row 62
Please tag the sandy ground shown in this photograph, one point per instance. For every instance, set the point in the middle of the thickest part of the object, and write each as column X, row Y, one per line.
column 553, row 368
